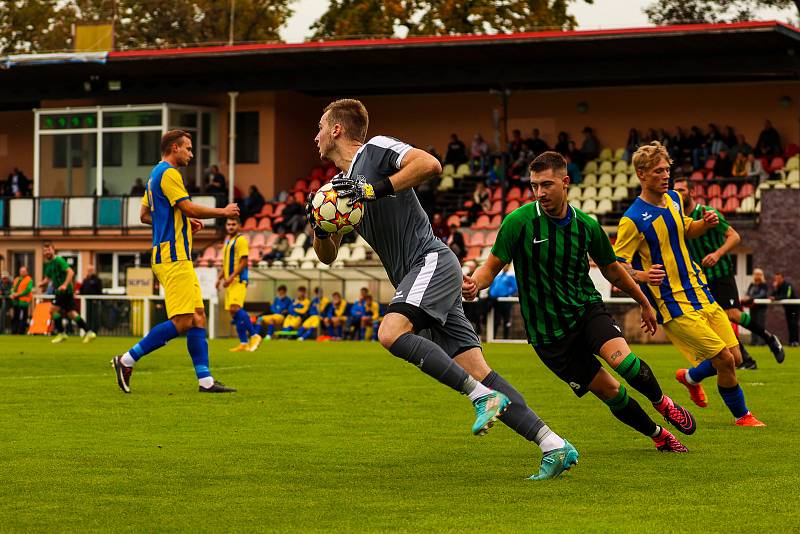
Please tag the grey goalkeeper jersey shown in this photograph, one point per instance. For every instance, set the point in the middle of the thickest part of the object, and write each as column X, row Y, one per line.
column 396, row 227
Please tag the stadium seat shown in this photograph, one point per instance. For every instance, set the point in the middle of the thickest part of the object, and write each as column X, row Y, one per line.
column 528, row 195
column 699, row 190
column 575, row 203
column 589, row 193
column 515, row 193
column 448, row 170
column 266, row 211
column 497, row 206
column 511, row 206
column 710, row 162
column 793, row 177
column 477, row 240
column 313, row 185
column 731, row 205
column 776, row 164
column 574, row 192
column 446, row 183
column 296, row 254
column 701, row 200
column 496, row 221
column 620, row 193
column 590, row 168
column 605, row 180
column 497, row 194
column 278, row 210
column 209, row 254
column 264, row 225
column 606, row 167
column 621, row 179
column 746, row 190
column 300, row 240
column 462, row 171
column 633, row 181
column 249, row 225
column 485, row 251
column 697, row 176
column 779, row 186
column 290, row 238
column 606, row 155
column 300, row 185
column 258, row 240
column 619, row 154
column 344, row 253
column 490, row 238
column 605, row 193
column 317, row 173
column 713, row 190
column 589, row 205
column 454, row 219
column 589, row 180
column 481, row 223
column 758, row 207
column 730, row 191
column 473, row 253
column 603, row 207
column 716, row 203
column 747, row 205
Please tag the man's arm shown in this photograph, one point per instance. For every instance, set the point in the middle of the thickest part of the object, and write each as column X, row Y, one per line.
column 732, row 238
column 620, row 277
column 417, row 166
column 198, row 211
column 482, row 277
column 68, row 281
column 241, row 266
column 145, row 216
column 328, row 248
column 700, row 227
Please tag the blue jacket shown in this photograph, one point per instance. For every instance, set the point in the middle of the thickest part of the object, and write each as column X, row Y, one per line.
column 504, row 285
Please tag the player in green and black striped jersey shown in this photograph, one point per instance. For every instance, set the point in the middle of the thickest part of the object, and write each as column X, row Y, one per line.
column 711, row 251
column 549, row 243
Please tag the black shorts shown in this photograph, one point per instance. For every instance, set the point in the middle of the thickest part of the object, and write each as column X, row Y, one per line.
column 572, row 358
column 725, row 292
column 66, row 301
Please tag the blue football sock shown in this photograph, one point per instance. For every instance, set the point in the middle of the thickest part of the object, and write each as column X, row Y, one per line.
column 251, row 328
column 734, row 400
column 270, row 329
column 361, row 333
column 198, row 349
column 155, row 339
column 339, row 331
column 242, row 320
column 307, row 333
column 300, row 332
column 330, row 330
column 703, row 370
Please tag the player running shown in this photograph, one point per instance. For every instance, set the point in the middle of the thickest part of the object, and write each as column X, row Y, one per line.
column 58, row 271
column 651, row 241
column 167, row 206
column 233, row 277
column 425, row 323
column 549, row 243
column 711, row 251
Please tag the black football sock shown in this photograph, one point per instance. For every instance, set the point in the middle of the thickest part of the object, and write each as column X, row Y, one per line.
column 641, row 378
column 631, row 413
column 81, row 323
column 518, row 416
column 433, row 361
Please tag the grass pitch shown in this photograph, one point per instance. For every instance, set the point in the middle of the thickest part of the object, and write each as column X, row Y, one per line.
column 345, row 437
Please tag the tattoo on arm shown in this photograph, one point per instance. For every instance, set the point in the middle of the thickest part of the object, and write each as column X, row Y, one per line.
column 616, row 355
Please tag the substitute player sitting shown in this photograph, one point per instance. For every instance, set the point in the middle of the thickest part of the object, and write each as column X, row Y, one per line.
column 233, row 277
column 297, row 313
column 334, row 317
column 279, row 309
column 651, row 241
column 319, row 306
column 549, row 243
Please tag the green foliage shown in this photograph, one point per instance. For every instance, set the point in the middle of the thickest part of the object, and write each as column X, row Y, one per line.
column 344, row 437
column 665, row 12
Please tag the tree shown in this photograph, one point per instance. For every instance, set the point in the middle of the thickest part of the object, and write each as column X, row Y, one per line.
column 665, row 12
column 368, row 18
column 45, row 25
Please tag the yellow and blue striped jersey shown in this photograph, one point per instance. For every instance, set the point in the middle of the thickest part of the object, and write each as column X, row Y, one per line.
column 300, row 307
column 649, row 235
column 235, row 249
column 172, row 234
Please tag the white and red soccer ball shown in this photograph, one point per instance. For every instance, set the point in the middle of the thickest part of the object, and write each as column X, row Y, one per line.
column 333, row 214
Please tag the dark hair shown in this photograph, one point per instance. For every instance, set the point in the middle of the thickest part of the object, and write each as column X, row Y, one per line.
column 681, row 178
column 173, row 136
column 548, row 160
column 47, row 244
column 234, row 218
column 352, row 115
column 281, row 287
column 301, row 288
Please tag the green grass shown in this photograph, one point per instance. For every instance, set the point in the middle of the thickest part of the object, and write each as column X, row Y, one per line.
column 345, row 437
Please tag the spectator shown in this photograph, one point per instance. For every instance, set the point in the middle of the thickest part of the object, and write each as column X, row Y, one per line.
column 714, row 138
column 755, row 168
column 138, row 188
column 5, row 284
column 92, row 285
column 504, row 285
column 723, row 166
column 432, row 151
column 729, row 137
column 252, row 203
column 481, row 201
column 590, row 148
column 455, row 240
column 439, row 226
column 633, row 142
column 769, row 141
column 562, row 143
column 216, row 186
column 741, row 146
column 697, row 144
column 479, row 155
column 309, row 242
column 498, row 171
column 573, row 170
column 575, row 154
column 21, row 298
column 456, row 152
column 758, row 289
column 536, row 144
column 520, row 165
column 740, row 165
column 279, row 249
column 17, row 184
column 783, row 290
column 294, row 216
column 515, row 144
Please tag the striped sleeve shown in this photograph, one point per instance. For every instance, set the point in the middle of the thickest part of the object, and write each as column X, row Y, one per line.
column 628, row 240
column 172, row 186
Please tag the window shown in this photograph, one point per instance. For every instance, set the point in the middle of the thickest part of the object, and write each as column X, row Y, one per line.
column 112, row 150
column 149, row 148
column 67, row 144
column 247, row 137
column 22, row 259
column 112, row 268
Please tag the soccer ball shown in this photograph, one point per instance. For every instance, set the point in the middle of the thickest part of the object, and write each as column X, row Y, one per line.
column 333, row 214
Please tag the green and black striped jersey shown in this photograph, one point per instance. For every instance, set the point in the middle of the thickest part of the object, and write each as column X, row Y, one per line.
column 702, row 246
column 551, row 264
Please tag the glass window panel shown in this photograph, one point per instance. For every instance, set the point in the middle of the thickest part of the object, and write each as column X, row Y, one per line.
column 247, row 137
column 119, row 119
column 104, row 266
column 120, row 178
column 182, row 119
column 112, row 150
column 125, row 261
column 67, row 165
column 68, row 121
column 149, row 148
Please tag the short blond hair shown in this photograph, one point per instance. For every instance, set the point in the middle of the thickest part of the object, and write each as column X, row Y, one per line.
column 647, row 156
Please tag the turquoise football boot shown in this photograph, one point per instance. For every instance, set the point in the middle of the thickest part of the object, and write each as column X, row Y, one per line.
column 556, row 462
column 487, row 408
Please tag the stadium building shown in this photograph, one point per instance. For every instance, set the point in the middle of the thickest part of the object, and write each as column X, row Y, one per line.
column 83, row 127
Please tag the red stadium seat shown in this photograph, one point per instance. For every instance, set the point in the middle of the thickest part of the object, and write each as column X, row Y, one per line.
column 266, row 211
column 454, row 219
column 731, row 205
column 511, row 206
column 317, row 173
column 497, row 206
column 528, row 194
column 710, row 162
column 481, row 223
column 776, row 164
column 209, row 254
column 713, row 190
column 331, row 172
column 746, row 190
column 729, row 191
column 278, row 210
column 497, row 193
column 791, row 150
column 271, row 238
column 477, row 240
column 716, row 203
column 514, row 194
column 249, row 224
column 699, row 190
column 697, row 176
column 490, row 238
column 497, row 220
column 300, row 197
column 473, row 253
column 264, row 225
column 313, row 185
column 700, row 200
column 259, row 239
column 300, row 185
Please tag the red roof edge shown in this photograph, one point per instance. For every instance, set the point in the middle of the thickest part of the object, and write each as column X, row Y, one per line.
column 358, row 43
